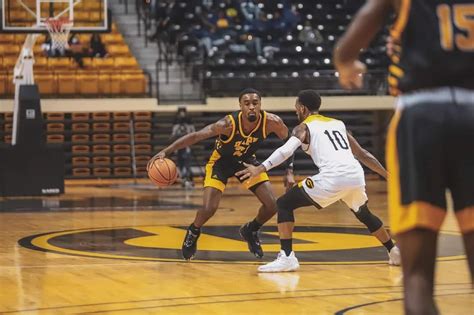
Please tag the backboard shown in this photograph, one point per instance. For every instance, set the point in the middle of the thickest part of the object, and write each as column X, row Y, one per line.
column 28, row 16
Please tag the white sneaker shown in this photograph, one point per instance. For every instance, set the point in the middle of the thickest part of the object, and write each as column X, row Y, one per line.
column 283, row 263
column 394, row 256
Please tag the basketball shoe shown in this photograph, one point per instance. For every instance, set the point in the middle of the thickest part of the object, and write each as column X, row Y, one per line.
column 283, row 263
column 253, row 242
column 394, row 256
column 190, row 244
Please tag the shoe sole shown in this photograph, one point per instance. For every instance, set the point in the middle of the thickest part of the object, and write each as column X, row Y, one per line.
column 278, row 271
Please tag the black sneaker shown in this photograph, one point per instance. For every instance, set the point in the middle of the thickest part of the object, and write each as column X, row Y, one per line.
column 189, row 245
column 253, row 242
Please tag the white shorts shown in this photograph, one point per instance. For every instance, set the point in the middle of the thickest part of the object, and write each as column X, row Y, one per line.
column 326, row 191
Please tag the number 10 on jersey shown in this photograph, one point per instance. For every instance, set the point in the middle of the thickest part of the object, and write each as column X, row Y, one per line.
column 337, row 140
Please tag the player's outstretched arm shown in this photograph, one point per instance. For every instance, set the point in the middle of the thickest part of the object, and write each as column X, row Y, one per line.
column 367, row 22
column 366, row 158
column 279, row 156
column 276, row 125
column 221, row 127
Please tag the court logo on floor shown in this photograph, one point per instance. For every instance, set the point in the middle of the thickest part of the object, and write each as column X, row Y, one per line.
column 313, row 244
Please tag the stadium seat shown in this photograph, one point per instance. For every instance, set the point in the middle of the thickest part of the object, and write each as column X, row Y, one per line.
column 118, row 50
column 80, row 149
column 101, row 148
column 55, row 116
column 142, row 115
column 122, row 171
column 122, row 116
column 55, row 138
column 66, row 83
column 121, row 148
column 59, row 63
column 55, row 128
column 124, row 63
column 80, row 160
column 101, row 160
column 80, row 116
column 81, row 138
column 101, row 127
column 121, row 126
column 133, row 83
column 122, row 160
column 143, row 149
column 101, row 138
column 103, row 63
column 142, row 126
column 80, row 127
column 121, row 137
column 101, row 116
column 101, row 171
column 46, row 82
column 88, row 83
column 142, row 160
column 142, row 137
column 115, row 84
column 81, row 172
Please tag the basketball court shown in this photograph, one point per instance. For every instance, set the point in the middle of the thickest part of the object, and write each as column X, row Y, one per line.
column 114, row 246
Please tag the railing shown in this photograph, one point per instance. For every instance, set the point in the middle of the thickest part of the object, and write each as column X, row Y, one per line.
column 150, row 83
column 185, row 72
column 325, row 81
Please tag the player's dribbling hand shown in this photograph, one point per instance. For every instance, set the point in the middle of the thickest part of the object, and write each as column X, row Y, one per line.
column 249, row 171
column 159, row 155
column 350, row 74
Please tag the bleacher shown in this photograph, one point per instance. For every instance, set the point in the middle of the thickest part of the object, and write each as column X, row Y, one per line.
column 292, row 65
column 103, row 144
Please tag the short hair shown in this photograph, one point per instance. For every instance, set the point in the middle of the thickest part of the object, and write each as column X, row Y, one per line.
column 310, row 99
column 249, row 91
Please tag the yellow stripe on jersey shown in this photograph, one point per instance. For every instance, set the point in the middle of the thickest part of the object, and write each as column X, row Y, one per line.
column 396, row 71
column 233, row 130
column 254, row 129
column 402, row 19
column 416, row 214
column 317, row 117
column 208, row 180
column 262, row 177
column 392, row 81
column 264, row 124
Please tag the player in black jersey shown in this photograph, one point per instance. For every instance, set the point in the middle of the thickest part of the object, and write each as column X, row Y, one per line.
column 430, row 145
column 240, row 134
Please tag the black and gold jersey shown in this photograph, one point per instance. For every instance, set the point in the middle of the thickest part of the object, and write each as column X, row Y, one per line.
column 240, row 146
column 437, row 45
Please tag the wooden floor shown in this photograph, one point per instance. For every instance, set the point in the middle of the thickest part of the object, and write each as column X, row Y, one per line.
column 112, row 247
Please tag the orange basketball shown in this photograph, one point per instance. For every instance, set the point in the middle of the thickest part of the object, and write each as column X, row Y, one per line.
column 162, row 172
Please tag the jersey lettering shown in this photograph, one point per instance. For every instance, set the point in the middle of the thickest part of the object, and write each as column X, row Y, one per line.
column 461, row 16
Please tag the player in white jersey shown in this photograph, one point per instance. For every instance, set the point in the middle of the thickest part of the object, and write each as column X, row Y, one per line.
column 340, row 177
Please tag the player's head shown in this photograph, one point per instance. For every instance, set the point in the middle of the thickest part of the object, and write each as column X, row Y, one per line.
column 307, row 102
column 250, row 102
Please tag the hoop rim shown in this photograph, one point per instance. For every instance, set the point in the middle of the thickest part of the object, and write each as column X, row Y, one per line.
column 52, row 21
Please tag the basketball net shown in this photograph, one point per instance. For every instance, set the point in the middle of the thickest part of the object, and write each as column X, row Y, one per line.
column 59, row 30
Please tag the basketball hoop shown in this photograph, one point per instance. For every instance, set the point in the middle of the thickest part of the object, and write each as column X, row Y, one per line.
column 59, row 30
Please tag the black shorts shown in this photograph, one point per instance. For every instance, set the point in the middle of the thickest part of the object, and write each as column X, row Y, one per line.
column 219, row 170
column 430, row 148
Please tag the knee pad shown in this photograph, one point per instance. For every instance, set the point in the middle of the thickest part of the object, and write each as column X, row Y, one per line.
column 285, row 212
column 372, row 222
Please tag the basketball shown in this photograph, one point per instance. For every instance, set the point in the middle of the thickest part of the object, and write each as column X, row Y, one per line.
column 162, row 172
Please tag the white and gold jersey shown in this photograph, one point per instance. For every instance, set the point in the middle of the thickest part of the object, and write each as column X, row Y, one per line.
column 330, row 150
